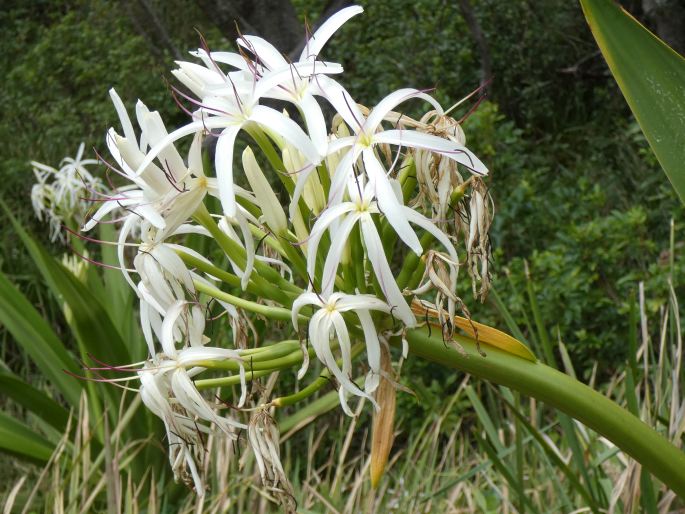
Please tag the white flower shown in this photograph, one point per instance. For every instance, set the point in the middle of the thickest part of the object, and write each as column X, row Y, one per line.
column 60, row 196
column 230, row 109
column 362, row 145
column 328, row 322
column 164, row 195
column 301, row 89
column 167, row 390
column 360, row 210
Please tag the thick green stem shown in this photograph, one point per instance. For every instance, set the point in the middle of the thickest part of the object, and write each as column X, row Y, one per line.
column 568, row 395
column 276, row 313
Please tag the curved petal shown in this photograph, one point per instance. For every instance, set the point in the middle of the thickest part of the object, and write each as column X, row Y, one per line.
column 223, row 160
column 291, row 76
column 316, row 124
column 300, row 302
column 388, row 203
column 195, row 126
column 123, row 115
column 381, row 268
column 373, row 350
column 391, row 101
column 264, row 51
column 450, row 149
column 327, row 217
column 343, row 177
column 249, row 249
column 277, row 122
column 335, row 252
column 341, row 101
column 349, row 302
column 195, row 156
column 168, row 340
column 326, row 30
column 429, row 226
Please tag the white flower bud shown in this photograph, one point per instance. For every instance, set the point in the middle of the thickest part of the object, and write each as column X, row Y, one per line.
column 266, row 198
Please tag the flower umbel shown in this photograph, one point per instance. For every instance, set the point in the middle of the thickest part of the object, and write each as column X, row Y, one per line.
column 338, row 227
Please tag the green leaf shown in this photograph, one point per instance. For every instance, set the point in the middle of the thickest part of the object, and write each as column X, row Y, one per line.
column 652, row 78
column 87, row 317
column 34, row 400
column 35, row 336
column 19, row 439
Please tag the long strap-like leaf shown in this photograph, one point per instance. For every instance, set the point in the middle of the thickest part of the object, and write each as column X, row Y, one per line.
column 652, row 78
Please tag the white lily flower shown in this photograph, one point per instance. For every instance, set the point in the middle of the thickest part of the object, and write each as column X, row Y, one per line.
column 328, row 322
column 167, row 390
column 302, row 89
column 359, row 210
column 367, row 137
column 58, row 196
column 231, row 111
column 165, row 195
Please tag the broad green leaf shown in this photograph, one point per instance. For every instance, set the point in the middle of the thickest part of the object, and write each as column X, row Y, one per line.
column 34, row 400
column 17, row 438
column 652, row 78
column 34, row 335
column 88, row 318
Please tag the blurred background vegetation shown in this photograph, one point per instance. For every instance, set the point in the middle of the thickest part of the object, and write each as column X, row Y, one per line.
column 583, row 211
column 578, row 193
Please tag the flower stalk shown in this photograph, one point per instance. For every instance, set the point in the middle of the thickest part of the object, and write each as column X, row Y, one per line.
column 565, row 393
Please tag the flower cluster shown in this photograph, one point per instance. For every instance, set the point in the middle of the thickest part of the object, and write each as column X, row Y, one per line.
column 59, row 196
column 377, row 203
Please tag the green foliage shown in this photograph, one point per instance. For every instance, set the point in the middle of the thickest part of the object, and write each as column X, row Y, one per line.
column 651, row 77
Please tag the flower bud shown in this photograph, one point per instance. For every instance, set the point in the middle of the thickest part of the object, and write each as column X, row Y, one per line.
column 266, row 198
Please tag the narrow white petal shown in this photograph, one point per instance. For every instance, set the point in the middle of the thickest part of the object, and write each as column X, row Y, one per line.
column 327, row 217
column 335, row 253
column 387, row 202
column 249, row 249
column 450, row 149
column 316, row 124
column 341, row 101
column 429, row 226
column 168, row 340
column 373, row 350
column 191, row 128
column 223, row 159
column 300, row 302
column 391, row 101
column 349, row 302
column 123, row 115
column 277, row 122
column 291, row 76
column 381, row 268
column 327, row 29
column 266, row 53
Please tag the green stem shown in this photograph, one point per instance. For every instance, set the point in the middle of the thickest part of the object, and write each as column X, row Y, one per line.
column 315, row 385
column 560, row 391
column 209, row 383
column 265, row 277
column 277, row 313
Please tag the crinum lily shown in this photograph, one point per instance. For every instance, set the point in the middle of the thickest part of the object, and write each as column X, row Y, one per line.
column 328, row 322
column 362, row 144
column 346, row 215
column 231, row 109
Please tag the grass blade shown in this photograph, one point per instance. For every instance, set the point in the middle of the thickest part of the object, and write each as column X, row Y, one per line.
column 35, row 336
column 19, row 439
column 34, row 400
